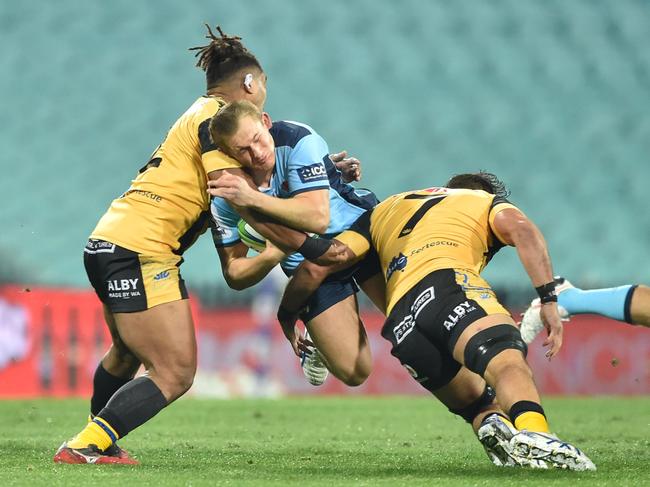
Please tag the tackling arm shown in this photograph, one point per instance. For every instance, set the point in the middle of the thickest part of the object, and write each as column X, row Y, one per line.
column 512, row 227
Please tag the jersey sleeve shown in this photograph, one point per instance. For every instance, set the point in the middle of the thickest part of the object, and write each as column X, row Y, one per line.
column 306, row 170
column 211, row 157
column 357, row 237
column 224, row 230
column 498, row 205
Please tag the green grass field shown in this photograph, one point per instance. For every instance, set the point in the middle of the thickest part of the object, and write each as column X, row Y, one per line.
column 319, row 441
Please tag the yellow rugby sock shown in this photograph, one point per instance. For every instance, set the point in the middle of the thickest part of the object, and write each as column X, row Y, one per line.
column 97, row 432
column 532, row 421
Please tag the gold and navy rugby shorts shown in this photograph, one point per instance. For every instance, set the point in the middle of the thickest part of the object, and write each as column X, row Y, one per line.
column 127, row 281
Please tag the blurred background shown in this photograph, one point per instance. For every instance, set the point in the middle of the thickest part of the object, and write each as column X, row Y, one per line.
column 552, row 96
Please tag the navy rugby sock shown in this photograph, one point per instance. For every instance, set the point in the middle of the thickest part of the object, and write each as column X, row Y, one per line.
column 134, row 404
column 105, row 385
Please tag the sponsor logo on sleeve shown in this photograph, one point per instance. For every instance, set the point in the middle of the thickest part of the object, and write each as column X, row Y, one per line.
column 315, row 172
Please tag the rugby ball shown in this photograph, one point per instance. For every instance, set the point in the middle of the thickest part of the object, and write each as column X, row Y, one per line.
column 250, row 236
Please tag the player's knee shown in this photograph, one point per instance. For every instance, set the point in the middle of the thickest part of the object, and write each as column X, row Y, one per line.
column 354, row 375
column 476, row 407
column 176, row 379
column 488, row 343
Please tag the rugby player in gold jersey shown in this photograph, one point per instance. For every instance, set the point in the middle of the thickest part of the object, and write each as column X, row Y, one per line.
column 134, row 253
column 444, row 322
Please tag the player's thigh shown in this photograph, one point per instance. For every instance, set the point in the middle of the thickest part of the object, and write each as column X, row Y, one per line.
column 339, row 334
column 476, row 327
column 162, row 337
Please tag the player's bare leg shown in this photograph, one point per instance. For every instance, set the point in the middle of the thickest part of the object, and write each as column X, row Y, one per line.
column 493, row 348
column 162, row 338
column 340, row 337
column 468, row 396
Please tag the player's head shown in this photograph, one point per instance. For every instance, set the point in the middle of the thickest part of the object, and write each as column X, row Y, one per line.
column 231, row 69
column 241, row 130
column 485, row 181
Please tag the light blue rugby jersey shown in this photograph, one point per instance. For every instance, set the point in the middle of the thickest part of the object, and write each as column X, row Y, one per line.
column 302, row 164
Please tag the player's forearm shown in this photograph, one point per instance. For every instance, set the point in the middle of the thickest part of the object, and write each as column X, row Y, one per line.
column 533, row 254
column 248, row 271
column 294, row 212
column 285, row 238
column 307, row 278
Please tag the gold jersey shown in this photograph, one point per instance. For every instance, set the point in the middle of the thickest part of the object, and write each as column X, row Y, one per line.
column 418, row 232
column 167, row 207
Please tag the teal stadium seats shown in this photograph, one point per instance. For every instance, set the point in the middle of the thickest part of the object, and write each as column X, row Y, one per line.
column 553, row 96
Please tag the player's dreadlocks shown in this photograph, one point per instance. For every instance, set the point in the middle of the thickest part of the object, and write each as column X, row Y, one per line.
column 222, row 57
column 480, row 180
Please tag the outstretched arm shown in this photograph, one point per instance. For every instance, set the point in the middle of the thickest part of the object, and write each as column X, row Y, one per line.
column 512, row 227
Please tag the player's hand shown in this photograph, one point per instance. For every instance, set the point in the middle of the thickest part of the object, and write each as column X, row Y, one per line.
column 233, row 189
column 273, row 252
column 553, row 324
column 290, row 329
column 336, row 254
column 350, row 167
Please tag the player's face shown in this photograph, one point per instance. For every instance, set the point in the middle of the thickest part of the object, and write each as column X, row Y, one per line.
column 252, row 144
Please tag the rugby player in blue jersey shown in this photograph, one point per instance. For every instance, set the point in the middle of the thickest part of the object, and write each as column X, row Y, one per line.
column 301, row 188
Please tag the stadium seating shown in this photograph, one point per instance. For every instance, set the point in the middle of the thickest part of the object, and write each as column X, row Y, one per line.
column 552, row 96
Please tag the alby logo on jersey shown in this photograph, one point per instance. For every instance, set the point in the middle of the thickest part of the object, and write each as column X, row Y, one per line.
column 315, row 172
column 397, row 264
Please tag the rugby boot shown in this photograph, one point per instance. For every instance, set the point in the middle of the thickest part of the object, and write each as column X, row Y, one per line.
column 91, row 454
column 548, row 448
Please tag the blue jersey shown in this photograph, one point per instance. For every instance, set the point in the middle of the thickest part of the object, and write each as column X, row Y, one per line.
column 302, row 164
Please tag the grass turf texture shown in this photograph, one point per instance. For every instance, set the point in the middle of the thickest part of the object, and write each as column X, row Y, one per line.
column 319, row 441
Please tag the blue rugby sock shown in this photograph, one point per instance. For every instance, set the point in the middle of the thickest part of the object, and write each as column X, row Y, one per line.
column 613, row 302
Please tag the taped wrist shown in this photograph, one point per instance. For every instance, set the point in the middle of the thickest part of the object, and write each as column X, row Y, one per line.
column 547, row 292
column 314, row 247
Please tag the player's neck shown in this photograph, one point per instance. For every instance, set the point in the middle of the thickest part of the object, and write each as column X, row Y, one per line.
column 262, row 178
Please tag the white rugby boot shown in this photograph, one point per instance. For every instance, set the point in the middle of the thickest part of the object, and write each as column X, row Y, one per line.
column 495, row 434
column 313, row 366
column 531, row 321
column 549, row 449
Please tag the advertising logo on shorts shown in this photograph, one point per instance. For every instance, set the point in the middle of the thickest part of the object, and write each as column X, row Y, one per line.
column 123, row 288
column 407, row 324
column 458, row 313
column 315, row 172
column 397, row 264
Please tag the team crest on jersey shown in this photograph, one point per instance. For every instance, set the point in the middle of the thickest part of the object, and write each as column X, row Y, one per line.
column 397, row 264
column 315, row 172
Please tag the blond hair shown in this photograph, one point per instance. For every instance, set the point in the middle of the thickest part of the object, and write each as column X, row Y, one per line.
column 225, row 122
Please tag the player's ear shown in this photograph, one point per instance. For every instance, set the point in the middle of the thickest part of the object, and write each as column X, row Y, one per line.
column 248, row 83
column 266, row 120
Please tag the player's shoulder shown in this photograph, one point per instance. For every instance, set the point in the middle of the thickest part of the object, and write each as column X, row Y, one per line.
column 287, row 133
column 203, row 108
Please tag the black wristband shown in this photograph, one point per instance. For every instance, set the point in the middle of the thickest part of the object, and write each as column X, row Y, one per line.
column 285, row 315
column 547, row 293
column 314, row 247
